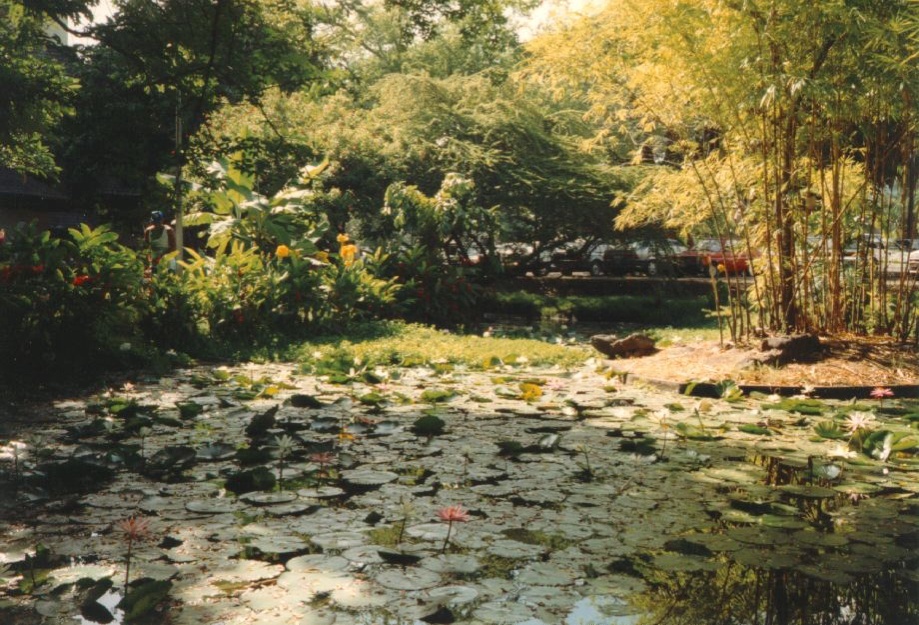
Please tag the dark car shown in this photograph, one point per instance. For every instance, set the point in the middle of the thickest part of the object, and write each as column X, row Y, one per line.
column 613, row 259
column 597, row 258
column 662, row 257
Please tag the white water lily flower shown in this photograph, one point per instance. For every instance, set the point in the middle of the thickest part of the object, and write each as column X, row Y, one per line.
column 859, row 420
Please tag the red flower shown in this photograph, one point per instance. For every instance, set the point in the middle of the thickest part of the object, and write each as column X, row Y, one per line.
column 82, row 280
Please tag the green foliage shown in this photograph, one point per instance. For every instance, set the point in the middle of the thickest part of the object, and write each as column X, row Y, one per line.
column 71, row 300
column 37, row 92
column 233, row 211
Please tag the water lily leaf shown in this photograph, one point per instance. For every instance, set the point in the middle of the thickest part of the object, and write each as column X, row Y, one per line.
column 268, row 499
column 808, row 491
column 437, row 396
column 301, row 400
column 785, row 522
column 820, row 539
column 857, row 488
column 452, row 595
column 695, row 432
column 372, row 399
column 278, row 545
column 368, row 477
column 408, row 579
column 811, row 407
column 212, row 506
column 830, row 430
column 189, row 409
column 749, row 428
column 682, row 562
column 170, row 461
column 216, row 451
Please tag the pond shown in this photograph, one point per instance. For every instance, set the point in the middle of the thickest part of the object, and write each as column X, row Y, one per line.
column 259, row 495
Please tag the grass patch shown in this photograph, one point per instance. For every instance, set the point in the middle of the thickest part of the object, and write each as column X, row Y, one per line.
column 403, row 344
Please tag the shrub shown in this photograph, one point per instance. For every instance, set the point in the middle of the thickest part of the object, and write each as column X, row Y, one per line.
column 70, row 300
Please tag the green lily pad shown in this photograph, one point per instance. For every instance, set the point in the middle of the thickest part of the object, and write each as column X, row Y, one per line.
column 749, row 428
column 682, row 562
column 808, row 491
column 830, row 430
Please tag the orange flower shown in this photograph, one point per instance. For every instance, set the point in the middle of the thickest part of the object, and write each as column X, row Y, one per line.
column 342, row 238
column 282, row 252
column 348, row 252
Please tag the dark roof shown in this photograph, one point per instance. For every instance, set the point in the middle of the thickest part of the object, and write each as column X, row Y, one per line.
column 14, row 183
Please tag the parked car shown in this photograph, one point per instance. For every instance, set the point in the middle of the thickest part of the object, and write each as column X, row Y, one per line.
column 728, row 256
column 565, row 259
column 599, row 258
column 660, row 257
column 613, row 259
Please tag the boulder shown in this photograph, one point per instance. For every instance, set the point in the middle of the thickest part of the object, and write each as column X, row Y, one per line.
column 778, row 351
column 632, row 346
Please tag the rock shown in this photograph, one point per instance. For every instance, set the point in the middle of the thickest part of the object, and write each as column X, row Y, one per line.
column 781, row 350
column 632, row 346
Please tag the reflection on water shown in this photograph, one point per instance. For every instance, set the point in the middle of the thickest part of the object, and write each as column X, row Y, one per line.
column 740, row 595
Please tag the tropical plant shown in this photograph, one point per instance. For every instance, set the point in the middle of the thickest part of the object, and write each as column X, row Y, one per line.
column 76, row 298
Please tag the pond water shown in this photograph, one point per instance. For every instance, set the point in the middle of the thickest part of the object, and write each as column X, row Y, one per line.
column 261, row 496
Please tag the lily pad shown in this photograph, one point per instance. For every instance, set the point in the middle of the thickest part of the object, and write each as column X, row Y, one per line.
column 213, row 506
column 268, row 499
column 408, row 579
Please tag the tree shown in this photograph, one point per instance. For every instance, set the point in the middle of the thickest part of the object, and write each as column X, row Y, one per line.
column 37, row 92
column 519, row 154
column 160, row 68
column 768, row 109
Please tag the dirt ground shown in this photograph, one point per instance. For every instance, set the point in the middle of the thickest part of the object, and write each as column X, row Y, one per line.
column 846, row 361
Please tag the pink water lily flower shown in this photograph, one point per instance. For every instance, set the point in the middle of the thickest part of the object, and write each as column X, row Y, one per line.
column 881, row 392
column 451, row 515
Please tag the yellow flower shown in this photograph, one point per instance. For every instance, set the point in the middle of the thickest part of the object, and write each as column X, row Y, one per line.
column 342, row 238
column 282, row 252
column 348, row 252
column 323, row 256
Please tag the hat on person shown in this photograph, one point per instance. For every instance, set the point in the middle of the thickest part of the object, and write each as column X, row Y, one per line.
column 157, row 217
